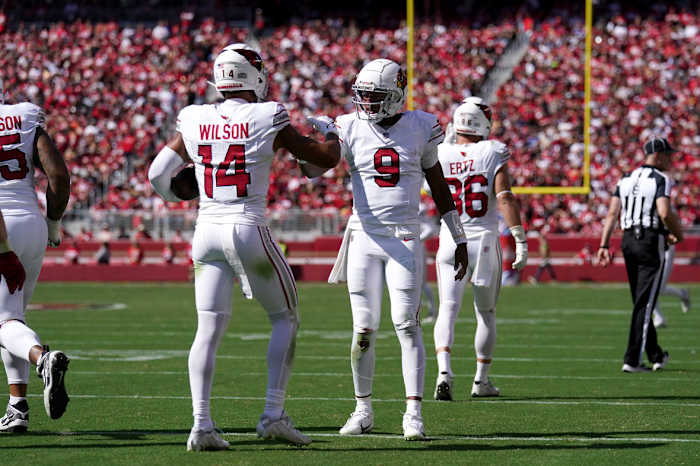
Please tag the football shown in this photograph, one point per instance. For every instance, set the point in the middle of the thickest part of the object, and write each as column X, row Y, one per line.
column 184, row 184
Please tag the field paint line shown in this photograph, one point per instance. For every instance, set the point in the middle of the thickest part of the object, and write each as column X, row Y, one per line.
column 133, row 355
column 430, row 438
column 348, row 374
column 380, row 400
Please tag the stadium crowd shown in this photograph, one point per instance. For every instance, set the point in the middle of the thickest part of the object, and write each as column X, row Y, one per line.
column 112, row 91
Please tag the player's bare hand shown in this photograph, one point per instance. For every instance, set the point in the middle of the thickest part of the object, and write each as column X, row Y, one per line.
column 323, row 124
column 461, row 261
column 13, row 271
column 671, row 239
column 603, row 257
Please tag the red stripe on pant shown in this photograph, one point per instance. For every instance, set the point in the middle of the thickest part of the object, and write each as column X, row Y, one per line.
column 279, row 277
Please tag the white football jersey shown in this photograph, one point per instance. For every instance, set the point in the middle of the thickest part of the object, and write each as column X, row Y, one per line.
column 18, row 125
column 231, row 146
column 386, row 168
column 470, row 171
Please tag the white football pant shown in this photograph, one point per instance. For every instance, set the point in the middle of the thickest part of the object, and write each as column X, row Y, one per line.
column 28, row 237
column 372, row 261
column 220, row 253
column 485, row 269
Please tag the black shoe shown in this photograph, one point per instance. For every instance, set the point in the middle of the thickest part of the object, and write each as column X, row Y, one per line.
column 52, row 369
column 16, row 418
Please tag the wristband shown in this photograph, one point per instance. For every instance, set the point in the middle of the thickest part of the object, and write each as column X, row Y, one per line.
column 603, row 247
column 4, row 246
column 453, row 223
column 518, row 233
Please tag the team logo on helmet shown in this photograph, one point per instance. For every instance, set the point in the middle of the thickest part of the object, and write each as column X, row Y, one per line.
column 253, row 58
column 401, row 79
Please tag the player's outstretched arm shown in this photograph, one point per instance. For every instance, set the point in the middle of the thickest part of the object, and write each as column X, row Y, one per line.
column 323, row 155
column 610, row 221
column 10, row 266
column 446, row 206
column 50, row 161
column 510, row 209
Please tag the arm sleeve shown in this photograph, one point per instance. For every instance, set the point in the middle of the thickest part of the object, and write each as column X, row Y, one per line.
column 281, row 118
column 342, row 127
column 501, row 155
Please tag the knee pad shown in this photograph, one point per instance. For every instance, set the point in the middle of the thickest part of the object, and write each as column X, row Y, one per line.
column 407, row 327
column 362, row 343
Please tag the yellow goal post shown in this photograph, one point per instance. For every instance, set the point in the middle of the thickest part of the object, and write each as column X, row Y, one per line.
column 586, row 187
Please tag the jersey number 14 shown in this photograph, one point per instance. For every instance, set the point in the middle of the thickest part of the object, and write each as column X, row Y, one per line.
column 240, row 178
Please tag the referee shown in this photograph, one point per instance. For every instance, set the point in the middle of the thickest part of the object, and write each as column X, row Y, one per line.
column 642, row 202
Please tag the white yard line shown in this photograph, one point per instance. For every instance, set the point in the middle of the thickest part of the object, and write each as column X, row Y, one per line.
column 464, row 438
column 386, row 400
column 348, row 374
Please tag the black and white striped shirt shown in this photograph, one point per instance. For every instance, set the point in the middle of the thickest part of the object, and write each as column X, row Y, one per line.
column 638, row 192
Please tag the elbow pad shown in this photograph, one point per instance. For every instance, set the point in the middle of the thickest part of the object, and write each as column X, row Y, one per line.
column 161, row 171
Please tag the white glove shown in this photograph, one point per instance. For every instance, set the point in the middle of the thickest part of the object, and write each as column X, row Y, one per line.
column 54, row 227
column 518, row 233
column 520, row 256
column 323, row 124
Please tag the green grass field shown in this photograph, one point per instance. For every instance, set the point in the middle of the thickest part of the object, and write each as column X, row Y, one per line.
column 564, row 399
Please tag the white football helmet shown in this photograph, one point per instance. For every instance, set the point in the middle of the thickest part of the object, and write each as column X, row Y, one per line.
column 379, row 90
column 473, row 118
column 240, row 69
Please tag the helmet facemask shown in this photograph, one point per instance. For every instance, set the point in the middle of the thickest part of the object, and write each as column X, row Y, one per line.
column 379, row 90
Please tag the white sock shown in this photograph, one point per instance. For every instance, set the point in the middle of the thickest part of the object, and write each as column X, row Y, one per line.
column 443, row 360
column 274, row 403
column 484, row 342
column 202, row 415
column 412, row 359
column 280, row 360
column 362, row 356
column 482, row 371
column 364, row 404
column 201, row 362
column 413, row 407
column 16, row 399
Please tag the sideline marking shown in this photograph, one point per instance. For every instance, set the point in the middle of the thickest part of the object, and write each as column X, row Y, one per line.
column 76, row 306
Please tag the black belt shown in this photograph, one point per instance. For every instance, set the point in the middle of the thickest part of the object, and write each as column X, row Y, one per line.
column 639, row 231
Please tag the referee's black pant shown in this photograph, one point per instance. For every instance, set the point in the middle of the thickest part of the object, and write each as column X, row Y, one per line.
column 644, row 260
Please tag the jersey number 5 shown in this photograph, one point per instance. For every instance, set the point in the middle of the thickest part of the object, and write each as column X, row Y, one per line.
column 469, row 195
column 240, row 178
column 12, row 154
column 391, row 171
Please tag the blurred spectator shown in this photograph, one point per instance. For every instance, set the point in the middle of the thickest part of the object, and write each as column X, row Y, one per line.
column 104, row 254
column 545, row 260
column 168, row 253
column 585, row 255
column 72, row 253
column 135, row 253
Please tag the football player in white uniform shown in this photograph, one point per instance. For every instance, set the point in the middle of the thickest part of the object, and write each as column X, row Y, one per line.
column 24, row 144
column 476, row 170
column 388, row 151
column 232, row 145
